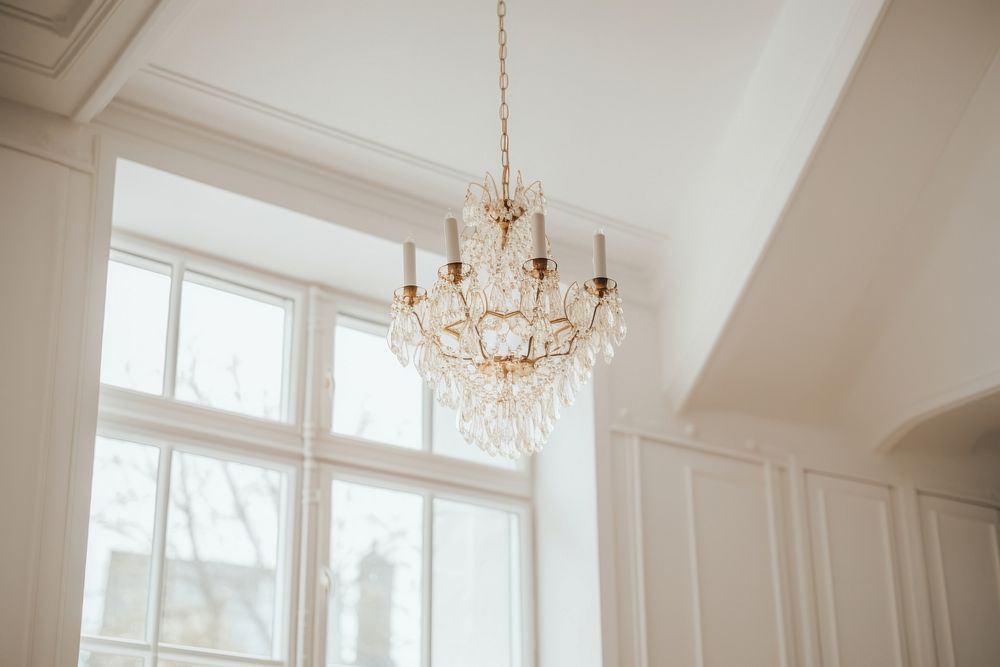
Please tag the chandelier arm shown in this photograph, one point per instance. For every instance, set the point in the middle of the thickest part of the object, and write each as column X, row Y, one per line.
column 420, row 324
column 479, row 335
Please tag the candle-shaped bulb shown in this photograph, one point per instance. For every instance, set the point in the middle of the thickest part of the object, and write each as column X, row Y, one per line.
column 600, row 255
column 451, row 247
column 409, row 263
column 538, row 247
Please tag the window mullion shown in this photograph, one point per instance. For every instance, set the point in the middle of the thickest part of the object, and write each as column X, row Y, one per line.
column 428, row 417
column 158, row 561
column 173, row 329
column 425, row 580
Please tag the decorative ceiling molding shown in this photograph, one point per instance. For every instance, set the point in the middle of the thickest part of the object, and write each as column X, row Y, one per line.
column 69, row 35
column 61, row 24
column 889, row 430
column 458, row 176
column 265, row 173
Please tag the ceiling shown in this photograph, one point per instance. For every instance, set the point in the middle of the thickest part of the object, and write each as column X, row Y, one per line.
column 968, row 428
column 873, row 305
column 796, row 189
column 595, row 112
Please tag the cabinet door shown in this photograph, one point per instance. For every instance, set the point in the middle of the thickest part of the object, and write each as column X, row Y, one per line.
column 857, row 573
column 714, row 561
column 960, row 541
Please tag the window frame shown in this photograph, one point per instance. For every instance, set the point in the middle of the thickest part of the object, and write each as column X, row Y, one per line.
column 304, row 442
column 149, row 648
column 428, row 492
column 363, row 318
column 227, row 277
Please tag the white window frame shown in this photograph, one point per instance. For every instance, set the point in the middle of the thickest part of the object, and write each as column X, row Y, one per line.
column 430, row 491
column 209, row 272
column 303, row 442
column 150, row 647
column 364, row 318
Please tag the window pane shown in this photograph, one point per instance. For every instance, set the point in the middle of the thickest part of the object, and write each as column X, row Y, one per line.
column 135, row 327
column 375, row 563
column 447, row 441
column 120, row 541
column 223, row 535
column 95, row 659
column 375, row 397
column 476, row 615
column 231, row 351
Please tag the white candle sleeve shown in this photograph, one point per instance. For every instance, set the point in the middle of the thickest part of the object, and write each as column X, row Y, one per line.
column 409, row 263
column 600, row 256
column 451, row 246
column 539, row 249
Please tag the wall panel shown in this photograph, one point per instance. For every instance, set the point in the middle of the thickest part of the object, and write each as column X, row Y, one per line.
column 712, row 576
column 963, row 563
column 857, row 575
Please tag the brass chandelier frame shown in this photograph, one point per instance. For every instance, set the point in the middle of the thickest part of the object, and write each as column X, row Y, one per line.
column 504, row 213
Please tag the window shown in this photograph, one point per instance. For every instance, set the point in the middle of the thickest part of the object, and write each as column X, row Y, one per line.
column 475, row 586
column 197, row 532
column 135, row 324
column 231, row 349
column 376, row 552
column 122, row 517
column 186, row 555
column 377, row 399
column 397, row 553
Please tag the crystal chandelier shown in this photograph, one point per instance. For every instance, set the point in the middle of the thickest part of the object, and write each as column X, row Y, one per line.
column 494, row 338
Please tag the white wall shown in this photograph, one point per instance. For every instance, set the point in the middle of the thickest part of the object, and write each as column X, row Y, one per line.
column 49, row 346
column 734, row 558
column 566, row 543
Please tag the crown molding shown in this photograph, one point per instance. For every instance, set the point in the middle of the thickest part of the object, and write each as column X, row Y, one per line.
column 459, row 176
column 61, row 24
column 263, row 172
column 221, row 111
column 63, row 38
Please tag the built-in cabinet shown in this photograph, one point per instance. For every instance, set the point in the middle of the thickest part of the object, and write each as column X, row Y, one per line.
column 725, row 558
column 856, row 572
column 963, row 570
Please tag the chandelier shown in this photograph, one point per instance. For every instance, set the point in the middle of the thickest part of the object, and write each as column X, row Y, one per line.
column 495, row 339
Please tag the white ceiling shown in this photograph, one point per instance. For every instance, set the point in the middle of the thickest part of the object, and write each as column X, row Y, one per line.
column 615, row 106
column 966, row 428
column 874, row 303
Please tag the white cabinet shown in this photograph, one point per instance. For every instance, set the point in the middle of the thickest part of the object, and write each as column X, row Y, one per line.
column 713, row 574
column 725, row 558
column 857, row 576
column 961, row 550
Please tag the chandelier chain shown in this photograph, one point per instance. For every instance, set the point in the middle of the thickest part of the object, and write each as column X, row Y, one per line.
column 504, row 111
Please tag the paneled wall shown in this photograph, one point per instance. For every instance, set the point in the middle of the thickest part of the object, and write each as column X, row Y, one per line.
column 725, row 558
column 852, row 531
column 963, row 568
column 51, row 277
